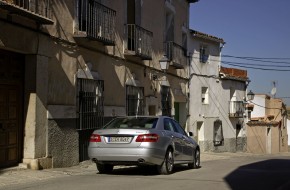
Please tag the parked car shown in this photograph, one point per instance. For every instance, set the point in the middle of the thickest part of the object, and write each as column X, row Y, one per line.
column 147, row 140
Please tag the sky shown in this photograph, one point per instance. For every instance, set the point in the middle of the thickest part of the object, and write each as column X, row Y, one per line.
column 254, row 31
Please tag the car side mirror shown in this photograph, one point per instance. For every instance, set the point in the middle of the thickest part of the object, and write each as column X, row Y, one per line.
column 190, row 134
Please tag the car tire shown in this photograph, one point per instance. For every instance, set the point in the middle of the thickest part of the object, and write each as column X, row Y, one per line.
column 167, row 166
column 104, row 168
column 196, row 160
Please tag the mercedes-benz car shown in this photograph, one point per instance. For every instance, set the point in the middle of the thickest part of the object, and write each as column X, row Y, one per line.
column 133, row 140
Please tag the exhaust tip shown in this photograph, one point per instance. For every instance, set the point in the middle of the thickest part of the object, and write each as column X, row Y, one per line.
column 95, row 160
column 141, row 161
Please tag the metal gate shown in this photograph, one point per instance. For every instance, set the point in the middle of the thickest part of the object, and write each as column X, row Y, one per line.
column 90, row 111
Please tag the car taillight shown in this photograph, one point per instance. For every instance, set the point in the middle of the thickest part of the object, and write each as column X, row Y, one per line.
column 147, row 138
column 95, row 138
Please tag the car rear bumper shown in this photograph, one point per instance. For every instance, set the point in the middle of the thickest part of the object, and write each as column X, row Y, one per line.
column 131, row 156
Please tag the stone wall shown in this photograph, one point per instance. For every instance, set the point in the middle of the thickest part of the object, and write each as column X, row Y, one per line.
column 229, row 145
column 63, row 142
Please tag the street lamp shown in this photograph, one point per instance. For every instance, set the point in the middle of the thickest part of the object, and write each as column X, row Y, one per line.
column 250, row 95
column 164, row 63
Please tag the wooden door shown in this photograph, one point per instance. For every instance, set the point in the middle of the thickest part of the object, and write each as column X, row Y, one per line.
column 9, row 125
column 11, row 104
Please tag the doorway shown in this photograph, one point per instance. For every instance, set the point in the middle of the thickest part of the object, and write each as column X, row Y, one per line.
column 11, row 103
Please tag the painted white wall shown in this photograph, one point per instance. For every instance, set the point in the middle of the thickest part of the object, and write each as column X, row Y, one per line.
column 288, row 130
column 199, row 112
column 207, row 75
column 259, row 111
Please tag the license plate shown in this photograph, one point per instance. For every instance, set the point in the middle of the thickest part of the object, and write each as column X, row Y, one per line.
column 119, row 139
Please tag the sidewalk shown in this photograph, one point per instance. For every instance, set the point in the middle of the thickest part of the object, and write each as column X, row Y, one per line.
column 18, row 175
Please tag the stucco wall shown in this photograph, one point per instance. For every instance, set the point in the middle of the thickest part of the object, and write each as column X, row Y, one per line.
column 263, row 140
column 54, row 56
column 288, row 129
column 256, row 139
column 259, row 111
column 217, row 108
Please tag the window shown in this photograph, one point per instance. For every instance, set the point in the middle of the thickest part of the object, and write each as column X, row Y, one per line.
column 218, row 137
column 179, row 128
column 203, row 54
column 169, row 27
column 135, row 100
column 173, row 126
column 168, row 125
column 132, row 123
column 90, row 102
column 166, row 100
column 204, row 95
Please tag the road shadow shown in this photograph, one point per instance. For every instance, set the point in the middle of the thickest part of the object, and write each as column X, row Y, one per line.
column 144, row 170
column 269, row 174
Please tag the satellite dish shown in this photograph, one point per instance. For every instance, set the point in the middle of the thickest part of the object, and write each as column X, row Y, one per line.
column 274, row 91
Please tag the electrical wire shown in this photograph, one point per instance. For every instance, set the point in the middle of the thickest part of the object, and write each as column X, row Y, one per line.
column 253, row 64
column 264, row 106
column 256, row 58
column 258, row 68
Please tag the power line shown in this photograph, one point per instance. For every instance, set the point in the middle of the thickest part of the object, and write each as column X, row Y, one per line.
column 255, row 64
column 259, row 59
column 257, row 68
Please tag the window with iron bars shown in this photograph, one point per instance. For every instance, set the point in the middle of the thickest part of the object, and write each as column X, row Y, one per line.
column 166, row 100
column 135, row 100
column 90, row 104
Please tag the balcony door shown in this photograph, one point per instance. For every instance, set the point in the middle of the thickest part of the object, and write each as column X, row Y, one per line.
column 134, row 12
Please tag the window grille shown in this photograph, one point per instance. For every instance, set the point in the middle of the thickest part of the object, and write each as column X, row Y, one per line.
column 166, row 100
column 90, row 104
column 135, row 100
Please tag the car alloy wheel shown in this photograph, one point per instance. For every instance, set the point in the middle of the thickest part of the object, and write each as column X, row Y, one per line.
column 167, row 166
column 197, row 158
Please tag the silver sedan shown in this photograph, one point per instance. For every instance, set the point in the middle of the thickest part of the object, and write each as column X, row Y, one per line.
column 146, row 140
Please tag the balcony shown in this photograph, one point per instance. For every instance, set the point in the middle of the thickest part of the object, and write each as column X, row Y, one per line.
column 96, row 22
column 37, row 10
column 237, row 109
column 138, row 42
column 176, row 55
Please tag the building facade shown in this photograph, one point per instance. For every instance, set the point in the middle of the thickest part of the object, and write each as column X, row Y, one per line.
column 217, row 95
column 267, row 129
column 68, row 67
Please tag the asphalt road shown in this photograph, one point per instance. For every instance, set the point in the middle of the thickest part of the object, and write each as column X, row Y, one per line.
column 236, row 172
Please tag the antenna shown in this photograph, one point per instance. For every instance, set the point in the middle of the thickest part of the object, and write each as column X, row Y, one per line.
column 274, row 89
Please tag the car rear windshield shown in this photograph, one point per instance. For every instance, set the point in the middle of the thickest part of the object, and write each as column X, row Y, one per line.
column 132, row 123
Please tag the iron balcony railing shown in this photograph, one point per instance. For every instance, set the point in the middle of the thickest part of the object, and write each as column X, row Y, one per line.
column 237, row 109
column 176, row 54
column 138, row 41
column 97, row 21
column 38, row 10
